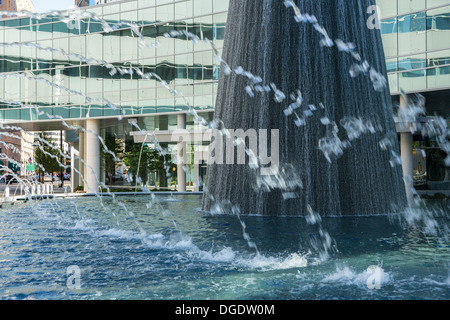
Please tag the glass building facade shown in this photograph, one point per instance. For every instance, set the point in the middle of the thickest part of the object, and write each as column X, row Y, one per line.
column 100, row 62
column 75, row 80
column 416, row 37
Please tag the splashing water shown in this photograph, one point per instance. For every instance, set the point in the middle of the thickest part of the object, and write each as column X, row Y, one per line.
column 291, row 182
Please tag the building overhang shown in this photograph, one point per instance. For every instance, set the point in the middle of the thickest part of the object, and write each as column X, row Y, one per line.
column 172, row 136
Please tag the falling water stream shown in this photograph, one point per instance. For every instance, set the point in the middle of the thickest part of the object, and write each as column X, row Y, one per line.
column 160, row 247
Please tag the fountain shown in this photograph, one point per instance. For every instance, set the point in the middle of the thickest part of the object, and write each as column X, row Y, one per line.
column 338, row 156
column 291, row 56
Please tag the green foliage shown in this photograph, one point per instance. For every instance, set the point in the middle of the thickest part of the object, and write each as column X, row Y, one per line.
column 111, row 157
column 46, row 156
column 142, row 160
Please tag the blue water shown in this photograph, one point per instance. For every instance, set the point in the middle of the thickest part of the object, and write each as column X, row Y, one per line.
column 169, row 249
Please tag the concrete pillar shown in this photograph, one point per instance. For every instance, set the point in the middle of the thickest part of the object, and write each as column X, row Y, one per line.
column 197, row 164
column 92, row 151
column 181, row 148
column 102, row 174
column 75, row 166
column 406, row 150
column 81, row 157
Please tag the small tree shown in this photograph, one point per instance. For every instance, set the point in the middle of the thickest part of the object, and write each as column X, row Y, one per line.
column 46, row 156
column 142, row 160
column 115, row 146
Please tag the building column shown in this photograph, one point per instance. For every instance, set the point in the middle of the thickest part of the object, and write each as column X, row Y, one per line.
column 102, row 174
column 75, row 166
column 81, row 148
column 406, row 150
column 92, row 150
column 181, row 148
column 197, row 164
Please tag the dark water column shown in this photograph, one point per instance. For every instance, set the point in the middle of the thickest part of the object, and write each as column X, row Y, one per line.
column 263, row 37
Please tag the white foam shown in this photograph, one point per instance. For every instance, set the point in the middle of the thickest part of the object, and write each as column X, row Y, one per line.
column 225, row 255
column 348, row 276
column 128, row 235
column 83, row 225
column 294, row 260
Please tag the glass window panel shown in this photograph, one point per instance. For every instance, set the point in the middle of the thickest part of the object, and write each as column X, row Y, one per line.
column 412, row 62
column 393, row 82
column 97, row 10
column 112, row 90
column 77, row 46
column 77, row 111
column 147, row 93
column 28, row 89
column 2, row 30
column 203, row 89
column 388, row 8
column 113, row 17
column 412, row 35
column 410, row 6
column 184, row 10
column 438, row 58
column 166, row 47
column 203, row 102
column 162, row 2
column 12, row 114
column 93, row 26
column 147, row 106
column 13, row 23
column 61, row 29
column 412, row 80
column 95, row 78
column 187, row 96
column 204, row 29
column 203, row 7
column 147, row 15
column 129, row 11
column 219, row 23
column 129, row 45
column 94, row 46
column 60, row 44
column 203, row 58
column 182, row 43
column 129, row 90
column 12, row 89
column 26, row 35
column 183, row 62
column 12, row 35
column 391, row 65
column 166, row 71
column 164, row 13
column 111, row 47
column 438, row 77
column 77, row 84
column 61, row 80
column 389, row 26
column 44, row 31
column 220, row 5
column 62, row 111
column 435, row 3
column 415, row 22
column 150, row 32
column 438, row 26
